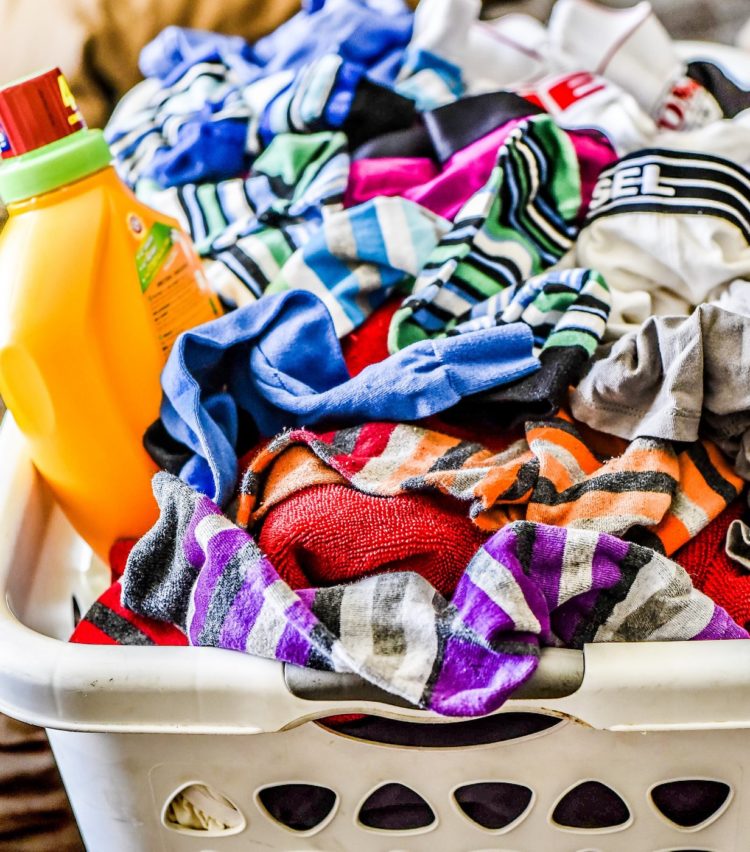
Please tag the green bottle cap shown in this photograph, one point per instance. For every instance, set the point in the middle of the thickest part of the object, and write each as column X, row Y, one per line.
column 61, row 162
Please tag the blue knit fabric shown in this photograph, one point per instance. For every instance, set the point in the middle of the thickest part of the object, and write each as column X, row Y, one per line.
column 279, row 359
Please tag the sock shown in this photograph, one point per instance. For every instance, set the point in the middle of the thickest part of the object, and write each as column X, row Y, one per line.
column 649, row 490
column 528, row 585
column 246, row 228
column 567, row 311
column 108, row 622
column 521, row 222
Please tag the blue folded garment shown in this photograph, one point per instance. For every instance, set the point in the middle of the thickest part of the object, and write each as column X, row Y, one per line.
column 279, row 360
column 373, row 35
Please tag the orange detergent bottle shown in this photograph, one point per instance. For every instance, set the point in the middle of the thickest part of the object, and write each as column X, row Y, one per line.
column 94, row 288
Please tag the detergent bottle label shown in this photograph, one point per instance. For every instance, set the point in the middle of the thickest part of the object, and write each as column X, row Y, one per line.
column 4, row 143
column 173, row 284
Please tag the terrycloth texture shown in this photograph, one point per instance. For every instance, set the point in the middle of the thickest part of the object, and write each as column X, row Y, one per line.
column 673, row 226
column 676, row 378
column 328, row 534
column 650, row 492
column 279, row 360
column 522, row 221
column 210, row 101
column 247, row 228
column 710, row 562
column 528, row 585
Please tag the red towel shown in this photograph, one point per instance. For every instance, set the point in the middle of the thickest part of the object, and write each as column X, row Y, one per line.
column 726, row 582
column 329, row 534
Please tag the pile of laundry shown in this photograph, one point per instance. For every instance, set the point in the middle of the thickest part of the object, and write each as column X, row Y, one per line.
column 481, row 385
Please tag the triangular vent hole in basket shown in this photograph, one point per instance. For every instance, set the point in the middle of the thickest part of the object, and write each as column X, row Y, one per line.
column 395, row 807
column 299, row 807
column 493, row 804
column 691, row 802
column 591, row 805
column 199, row 808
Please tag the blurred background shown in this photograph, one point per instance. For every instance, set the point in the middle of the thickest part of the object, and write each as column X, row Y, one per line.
column 96, row 43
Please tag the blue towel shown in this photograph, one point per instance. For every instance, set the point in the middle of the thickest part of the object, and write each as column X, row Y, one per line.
column 279, row 359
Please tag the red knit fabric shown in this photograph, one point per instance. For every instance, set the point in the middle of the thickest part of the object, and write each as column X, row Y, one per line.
column 110, row 623
column 724, row 581
column 328, row 534
column 368, row 344
column 118, row 556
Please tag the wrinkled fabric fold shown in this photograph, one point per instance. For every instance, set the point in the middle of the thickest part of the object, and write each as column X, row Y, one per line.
column 244, row 360
column 529, row 585
column 650, row 492
column 676, row 378
column 522, row 221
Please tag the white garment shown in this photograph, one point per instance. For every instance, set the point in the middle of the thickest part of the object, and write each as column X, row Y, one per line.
column 582, row 100
column 670, row 228
column 491, row 54
column 728, row 138
column 630, row 47
column 734, row 297
column 200, row 808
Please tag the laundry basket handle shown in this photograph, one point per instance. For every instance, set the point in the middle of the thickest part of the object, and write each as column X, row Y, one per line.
column 559, row 674
column 50, row 682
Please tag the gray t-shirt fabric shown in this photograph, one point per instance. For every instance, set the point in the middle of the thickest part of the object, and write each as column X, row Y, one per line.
column 677, row 378
column 738, row 543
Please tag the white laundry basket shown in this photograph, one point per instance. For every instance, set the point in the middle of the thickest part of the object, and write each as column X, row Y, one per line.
column 132, row 726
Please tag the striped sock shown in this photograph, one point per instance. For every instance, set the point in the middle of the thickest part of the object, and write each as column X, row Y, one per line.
column 208, row 125
column 521, row 222
column 247, row 229
column 108, row 622
column 360, row 255
column 152, row 119
column 528, row 585
column 567, row 311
